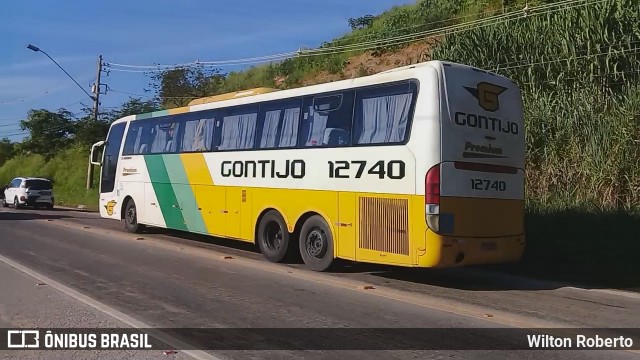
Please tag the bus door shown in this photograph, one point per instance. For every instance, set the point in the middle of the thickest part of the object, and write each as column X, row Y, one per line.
column 108, row 192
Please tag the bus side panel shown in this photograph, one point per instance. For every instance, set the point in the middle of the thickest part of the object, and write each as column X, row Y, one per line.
column 347, row 225
column 209, row 198
column 364, row 194
column 425, row 144
column 133, row 181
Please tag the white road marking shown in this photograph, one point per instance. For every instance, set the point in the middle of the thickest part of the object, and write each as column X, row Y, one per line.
column 169, row 340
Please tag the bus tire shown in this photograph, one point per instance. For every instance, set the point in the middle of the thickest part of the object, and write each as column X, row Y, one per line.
column 316, row 244
column 273, row 237
column 130, row 217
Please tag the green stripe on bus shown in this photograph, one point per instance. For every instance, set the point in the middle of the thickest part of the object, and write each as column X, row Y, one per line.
column 164, row 192
column 160, row 113
column 184, row 193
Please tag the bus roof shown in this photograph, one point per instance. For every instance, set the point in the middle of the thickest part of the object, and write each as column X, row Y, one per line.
column 267, row 94
column 232, row 95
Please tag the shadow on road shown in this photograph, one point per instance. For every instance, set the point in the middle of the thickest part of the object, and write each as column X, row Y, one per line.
column 459, row 278
column 573, row 248
column 25, row 214
column 594, row 250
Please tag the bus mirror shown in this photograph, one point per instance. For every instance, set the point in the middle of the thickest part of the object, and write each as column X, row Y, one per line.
column 92, row 157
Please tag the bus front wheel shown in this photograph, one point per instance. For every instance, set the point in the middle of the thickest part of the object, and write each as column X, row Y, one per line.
column 131, row 218
column 316, row 244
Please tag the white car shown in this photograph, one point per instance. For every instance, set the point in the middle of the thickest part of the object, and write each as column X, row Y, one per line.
column 29, row 191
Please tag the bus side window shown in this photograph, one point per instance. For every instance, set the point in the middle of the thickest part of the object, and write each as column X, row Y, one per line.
column 278, row 124
column 327, row 120
column 198, row 135
column 132, row 141
column 239, row 128
column 164, row 137
column 383, row 114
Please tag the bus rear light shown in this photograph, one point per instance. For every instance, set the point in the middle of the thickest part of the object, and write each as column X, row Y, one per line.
column 432, row 186
column 432, row 198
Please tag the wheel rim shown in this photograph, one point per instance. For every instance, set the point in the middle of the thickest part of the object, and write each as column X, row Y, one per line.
column 316, row 243
column 131, row 215
column 272, row 236
column 15, row 202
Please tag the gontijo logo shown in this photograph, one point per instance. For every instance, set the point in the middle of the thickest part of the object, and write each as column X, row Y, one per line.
column 487, row 95
column 110, row 206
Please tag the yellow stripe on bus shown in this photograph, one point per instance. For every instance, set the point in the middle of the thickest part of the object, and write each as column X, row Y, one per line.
column 210, row 198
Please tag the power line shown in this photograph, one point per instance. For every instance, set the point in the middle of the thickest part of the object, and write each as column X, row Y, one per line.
column 46, row 92
column 507, row 65
column 45, row 131
column 625, row 51
column 397, row 40
column 140, row 95
column 15, row 121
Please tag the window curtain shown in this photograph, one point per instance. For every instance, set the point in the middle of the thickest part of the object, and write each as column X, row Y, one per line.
column 318, row 123
column 238, row 131
column 270, row 129
column 384, row 119
column 289, row 134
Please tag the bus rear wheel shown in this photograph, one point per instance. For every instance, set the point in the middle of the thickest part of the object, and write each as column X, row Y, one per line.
column 131, row 218
column 316, row 244
column 273, row 237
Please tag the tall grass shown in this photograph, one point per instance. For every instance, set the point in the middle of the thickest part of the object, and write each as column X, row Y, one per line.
column 578, row 69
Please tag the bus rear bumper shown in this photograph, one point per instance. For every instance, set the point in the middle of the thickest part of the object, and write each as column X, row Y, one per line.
column 453, row 251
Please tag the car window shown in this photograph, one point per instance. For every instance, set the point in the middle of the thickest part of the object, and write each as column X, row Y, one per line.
column 38, row 184
column 15, row 183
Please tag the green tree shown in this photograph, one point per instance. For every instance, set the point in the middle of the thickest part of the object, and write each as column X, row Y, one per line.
column 133, row 106
column 176, row 87
column 7, row 149
column 361, row 22
column 49, row 132
column 88, row 131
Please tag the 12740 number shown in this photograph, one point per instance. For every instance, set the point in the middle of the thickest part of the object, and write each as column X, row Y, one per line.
column 394, row 169
column 486, row 184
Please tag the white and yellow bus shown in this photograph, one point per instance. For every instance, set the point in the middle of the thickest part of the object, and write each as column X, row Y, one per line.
column 419, row 166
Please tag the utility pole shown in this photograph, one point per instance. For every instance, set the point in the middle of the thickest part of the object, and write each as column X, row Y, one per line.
column 96, row 103
column 96, row 89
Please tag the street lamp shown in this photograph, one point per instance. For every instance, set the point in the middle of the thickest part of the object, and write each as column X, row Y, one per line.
column 93, row 97
column 37, row 49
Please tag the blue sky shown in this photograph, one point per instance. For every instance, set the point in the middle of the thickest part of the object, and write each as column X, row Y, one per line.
column 144, row 32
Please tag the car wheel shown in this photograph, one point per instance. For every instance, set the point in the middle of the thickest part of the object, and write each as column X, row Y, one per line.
column 4, row 202
column 16, row 203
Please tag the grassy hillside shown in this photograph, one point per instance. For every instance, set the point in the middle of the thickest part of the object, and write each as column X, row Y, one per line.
column 373, row 46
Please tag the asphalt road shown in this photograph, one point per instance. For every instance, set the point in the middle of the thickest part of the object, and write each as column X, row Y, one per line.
column 164, row 280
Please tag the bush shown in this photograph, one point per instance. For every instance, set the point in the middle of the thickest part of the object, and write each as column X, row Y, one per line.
column 67, row 171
